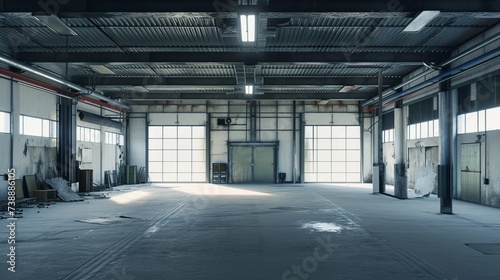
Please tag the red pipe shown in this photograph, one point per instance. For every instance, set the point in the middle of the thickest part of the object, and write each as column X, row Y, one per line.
column 65, row 92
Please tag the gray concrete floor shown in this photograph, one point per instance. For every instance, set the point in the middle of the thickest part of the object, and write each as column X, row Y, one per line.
column 204, row 231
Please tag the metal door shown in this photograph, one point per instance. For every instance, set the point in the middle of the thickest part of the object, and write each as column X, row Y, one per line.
column 241, row 169
column 470, row 174
column 263, row 164
column 252, row 164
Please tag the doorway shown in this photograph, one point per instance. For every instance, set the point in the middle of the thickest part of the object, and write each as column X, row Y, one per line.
column 253, row 162
column 470, row 172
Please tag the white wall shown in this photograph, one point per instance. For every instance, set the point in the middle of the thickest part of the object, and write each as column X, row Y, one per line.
column 104, row 156
column 274, row 123
column 5, row 146
column 33, row 154
column 137, row 140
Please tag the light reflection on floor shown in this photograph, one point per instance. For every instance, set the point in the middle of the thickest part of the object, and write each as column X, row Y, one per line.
column 323, row 227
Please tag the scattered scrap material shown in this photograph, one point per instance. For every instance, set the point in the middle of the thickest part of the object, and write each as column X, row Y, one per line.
column 105, row 220
column 64, row 192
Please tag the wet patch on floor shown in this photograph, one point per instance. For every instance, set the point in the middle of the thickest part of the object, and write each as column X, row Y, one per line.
column 323, row 227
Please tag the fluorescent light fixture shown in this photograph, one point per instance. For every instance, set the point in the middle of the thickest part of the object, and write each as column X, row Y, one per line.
column 56, row 24
column 101, row 69
column 141, row 89
column 424, row 18
column 247, row 25
column 249, row 89
column 324, row 102
column 348, row 88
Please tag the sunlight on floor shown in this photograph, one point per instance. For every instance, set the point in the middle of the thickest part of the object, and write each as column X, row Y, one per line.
column 216, row 190
column 129, row 197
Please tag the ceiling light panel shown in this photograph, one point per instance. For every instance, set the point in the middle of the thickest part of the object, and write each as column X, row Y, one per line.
column 418, row 23
column 101, row 69
column 56, row 24
column 247, row 25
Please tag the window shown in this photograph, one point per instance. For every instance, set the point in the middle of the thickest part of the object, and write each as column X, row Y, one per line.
column 479, row 121
column 332, row 154
column 4, row 122
column 114, row 138
column 479, row 106
column 492, row 117
column 388, row 136
column 88, row 134
column 37, row 127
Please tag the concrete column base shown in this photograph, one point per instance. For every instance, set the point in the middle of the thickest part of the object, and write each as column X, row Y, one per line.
column 400, row 181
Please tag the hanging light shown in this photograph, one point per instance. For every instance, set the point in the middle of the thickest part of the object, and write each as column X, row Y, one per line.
column 247, row 26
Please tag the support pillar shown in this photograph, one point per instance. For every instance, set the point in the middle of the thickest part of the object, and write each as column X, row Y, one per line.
column 445, row 152
column 66, row 146
column 379, row 166
column 400, row 181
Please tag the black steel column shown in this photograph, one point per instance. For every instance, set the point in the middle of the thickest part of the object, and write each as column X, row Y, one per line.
column 380, row 143
column 445, row 149
column 208, row 145
column 302, row 147
column 361, row 121
column 294, row 141
column 400, row 186
column 66, row 146
column 253, row 121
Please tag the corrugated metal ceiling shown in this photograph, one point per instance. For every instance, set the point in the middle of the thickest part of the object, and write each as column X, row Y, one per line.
column 139, row 33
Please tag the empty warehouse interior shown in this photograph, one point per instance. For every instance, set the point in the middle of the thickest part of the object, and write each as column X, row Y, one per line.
column 249, row 139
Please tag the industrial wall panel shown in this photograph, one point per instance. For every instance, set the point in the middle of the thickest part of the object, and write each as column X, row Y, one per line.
column 331, row 119
column 37, row 103
column 177, row 119
column 5, row 95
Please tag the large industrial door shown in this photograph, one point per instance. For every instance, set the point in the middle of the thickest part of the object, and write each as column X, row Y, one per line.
column 332, row 154
column 177, row 154
column 252, row 163
column 470, row 174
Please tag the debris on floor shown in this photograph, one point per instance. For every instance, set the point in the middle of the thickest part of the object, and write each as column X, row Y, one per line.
column 96, row 196
column 64, row 191
column 105, row 220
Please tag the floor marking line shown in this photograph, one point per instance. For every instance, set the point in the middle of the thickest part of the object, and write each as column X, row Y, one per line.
column 95, row 265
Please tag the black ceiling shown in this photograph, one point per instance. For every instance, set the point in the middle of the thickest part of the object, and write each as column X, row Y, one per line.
column 306, row 50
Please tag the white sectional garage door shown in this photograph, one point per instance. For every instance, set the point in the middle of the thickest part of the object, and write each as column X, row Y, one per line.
column 332, row 154
column 177, row 154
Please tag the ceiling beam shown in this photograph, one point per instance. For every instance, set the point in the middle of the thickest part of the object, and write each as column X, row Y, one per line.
column 233, row 57
column 305, row 6
column 224, row 96
column 225, row 81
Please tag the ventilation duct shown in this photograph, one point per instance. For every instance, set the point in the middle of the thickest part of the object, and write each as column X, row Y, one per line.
column 93, row 118
column 43, row 74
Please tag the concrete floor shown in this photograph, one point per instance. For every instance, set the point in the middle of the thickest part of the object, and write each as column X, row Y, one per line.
column 293, row 232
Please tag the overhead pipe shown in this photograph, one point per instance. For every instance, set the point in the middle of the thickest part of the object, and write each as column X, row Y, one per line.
column 93, row 94
column 429, row 71
column 65, row 93
column 462, row 67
